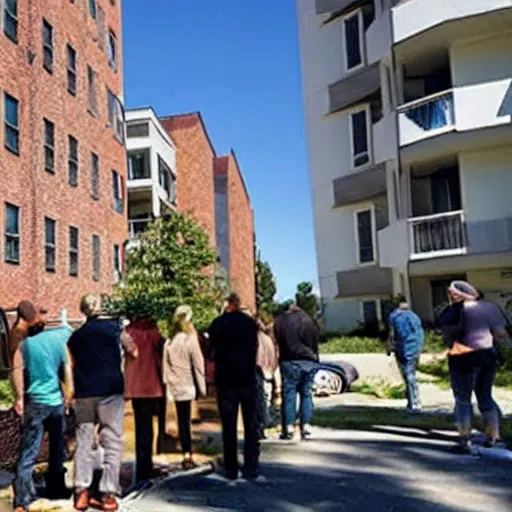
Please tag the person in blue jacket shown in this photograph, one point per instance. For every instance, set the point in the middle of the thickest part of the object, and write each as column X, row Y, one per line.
column 407, row 337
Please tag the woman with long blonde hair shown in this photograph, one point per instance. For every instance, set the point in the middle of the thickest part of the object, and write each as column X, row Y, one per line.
column 184, row 374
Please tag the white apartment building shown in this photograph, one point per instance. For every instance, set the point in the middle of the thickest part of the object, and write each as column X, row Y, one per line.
column 151, row 169
column 408, row 108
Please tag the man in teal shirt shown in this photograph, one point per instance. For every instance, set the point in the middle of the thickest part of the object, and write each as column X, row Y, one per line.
column 40, row 364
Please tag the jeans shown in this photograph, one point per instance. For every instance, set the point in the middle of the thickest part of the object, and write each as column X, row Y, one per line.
column 183, row 415
column 264, row 402
column 108, row 413
column 229, row 400
column 470, row 372
column 408, row 370
column 36, row 419
column 143, row 411
column 298, row 377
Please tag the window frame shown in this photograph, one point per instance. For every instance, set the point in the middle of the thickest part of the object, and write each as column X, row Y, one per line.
column 49, row 146
column 93, row 9
column 117, row 200
column 112, row 50
column 73, row 251
column 48, row 46
column 96, row 258
column 162, row 166
column 144, row 125
column 369, row 141
column 378, row 309
column 362, row 46
column 10, row 127
column 92, row 93
column 73, row 160
column 72, row 76
column 116, row 116
column 146, row 152
column 95, row 176
column 12, row 236
column 7, row 14
column 371, row 209
column 49, row 246
column 116, row 258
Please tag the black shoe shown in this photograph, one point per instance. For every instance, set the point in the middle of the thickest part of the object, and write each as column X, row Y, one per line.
column 463, row 447
column 56, row 487
column 489, row 443
column 286, row 436
column 306, row 435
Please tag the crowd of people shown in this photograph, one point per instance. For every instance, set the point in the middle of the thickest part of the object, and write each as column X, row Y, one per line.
column 91, row 371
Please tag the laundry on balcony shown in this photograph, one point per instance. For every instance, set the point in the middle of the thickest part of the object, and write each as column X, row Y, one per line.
column 433, row 114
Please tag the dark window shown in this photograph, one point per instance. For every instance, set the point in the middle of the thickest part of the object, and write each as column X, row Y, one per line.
column 445, row 190
column 166, row 179
column 71, row 57
column 49, row 244
column 117, row 262
column 12, row 129
column 12, row 233
column 47, row 46
column 370, row 314
column 117, row 192
column 73, row 251
column 73, row 161
column 92, row 8
column 138, row 165
column 95, row 176
column 365, row 236
column 439, row 292
column 112, row 50
column 115, row 115
column 137, row 130
column 353, row 52
column 359, row 125
column 49, row 146
column 11, row 19
column 96, row 258
column 91, row 85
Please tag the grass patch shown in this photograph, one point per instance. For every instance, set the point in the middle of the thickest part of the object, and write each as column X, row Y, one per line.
column 380, row 389
column 6, row 393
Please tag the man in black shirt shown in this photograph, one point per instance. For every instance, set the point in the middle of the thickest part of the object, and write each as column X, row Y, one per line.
column 234, row 342
column 297, row 336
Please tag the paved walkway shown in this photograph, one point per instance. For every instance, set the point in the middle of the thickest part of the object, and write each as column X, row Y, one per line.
column 394, row 470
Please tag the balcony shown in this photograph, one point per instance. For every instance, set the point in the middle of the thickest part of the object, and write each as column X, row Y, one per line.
column 437, row 235
column 137, row 226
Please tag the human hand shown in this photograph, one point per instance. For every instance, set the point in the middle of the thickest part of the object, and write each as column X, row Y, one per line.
column 19, row 407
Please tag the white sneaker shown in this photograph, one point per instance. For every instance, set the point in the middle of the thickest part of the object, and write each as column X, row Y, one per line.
column 261, row 480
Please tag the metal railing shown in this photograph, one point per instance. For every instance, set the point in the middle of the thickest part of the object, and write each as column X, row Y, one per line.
column 438, row 235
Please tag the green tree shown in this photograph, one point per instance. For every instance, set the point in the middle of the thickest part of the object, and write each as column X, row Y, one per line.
column 265, row 287
column 166, row 268
column 306, row 299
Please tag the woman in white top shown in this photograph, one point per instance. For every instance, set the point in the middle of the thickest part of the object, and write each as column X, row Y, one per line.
column 184, row 374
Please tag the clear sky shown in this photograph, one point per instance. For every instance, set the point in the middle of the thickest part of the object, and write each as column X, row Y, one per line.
column 236, row 61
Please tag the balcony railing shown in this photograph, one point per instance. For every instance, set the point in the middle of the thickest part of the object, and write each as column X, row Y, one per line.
column 426, row 116
column 438, row 235
column 138, row 226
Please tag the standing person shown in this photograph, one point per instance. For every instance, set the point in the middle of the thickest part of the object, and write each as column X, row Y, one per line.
column 297, row 337
column 38, row 363
column 234, row 343
column 184, row 375
column 99, row 386
column 471, row 326
column 144, row 387
column 408, row 338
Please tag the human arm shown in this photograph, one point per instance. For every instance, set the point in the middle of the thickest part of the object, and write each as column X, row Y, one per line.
column 17, row 380
column 198, row 366
column 129, row 345
column 68, row 387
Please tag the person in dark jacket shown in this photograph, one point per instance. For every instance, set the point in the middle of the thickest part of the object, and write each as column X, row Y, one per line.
column 234, row 343
column 297, row 336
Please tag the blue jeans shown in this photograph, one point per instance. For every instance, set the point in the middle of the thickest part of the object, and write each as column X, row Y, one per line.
column 408, row 370
column 36, row 419
column 298, row 377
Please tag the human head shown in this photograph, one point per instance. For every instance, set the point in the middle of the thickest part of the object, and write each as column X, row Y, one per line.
column 293, row 307
column 400, row 301
column 90, row 305
column 460, row 291
column 234, row 302
column 182, row 320
column 26, row 311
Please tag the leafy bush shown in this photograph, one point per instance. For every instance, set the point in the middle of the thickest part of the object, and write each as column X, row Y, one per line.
column 352, row 345
column 380, row 389
column 6, row 393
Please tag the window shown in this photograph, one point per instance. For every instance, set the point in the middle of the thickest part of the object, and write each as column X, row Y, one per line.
column 360, row 136
column 439, row 292
column 47, row 46
column 73, row 251
column 71, row 56
column 72, row 161
column 112, row 50
column 166, row 179
column 138, row 165
column 91, row 87
column 49, row 146
column 12, row 129
column 95, row 176
column 12, row 233
column 11, row 19
column 370, row 312
column 92, row 8
column 365, row 236
column 137, row 130
column 117, row 263
column 115, row 115
column 49, row 244
column 96, row 258
column 117, row 192
column 353, row 36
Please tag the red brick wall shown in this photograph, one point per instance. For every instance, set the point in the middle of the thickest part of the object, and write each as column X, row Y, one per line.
column 194, row 161
column 25, row 182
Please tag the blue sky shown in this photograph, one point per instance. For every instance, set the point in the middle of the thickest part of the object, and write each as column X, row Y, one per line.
column 237, row 62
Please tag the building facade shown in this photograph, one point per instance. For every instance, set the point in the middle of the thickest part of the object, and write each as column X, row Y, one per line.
column 408, row 110
column 62, row 153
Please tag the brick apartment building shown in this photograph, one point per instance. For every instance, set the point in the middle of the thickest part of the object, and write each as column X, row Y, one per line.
column 235, row 227
column 62, row 154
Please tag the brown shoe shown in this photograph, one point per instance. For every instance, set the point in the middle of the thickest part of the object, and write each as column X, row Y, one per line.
column 82, row 500
column 188, row 463
column 109, row 503
column 95, row 503
column 20, row 509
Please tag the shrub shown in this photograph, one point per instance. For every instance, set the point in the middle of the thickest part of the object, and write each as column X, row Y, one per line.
column 352, row 345
column 6, row 393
